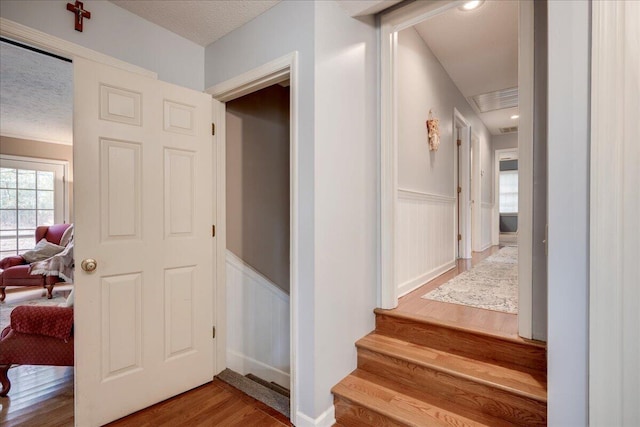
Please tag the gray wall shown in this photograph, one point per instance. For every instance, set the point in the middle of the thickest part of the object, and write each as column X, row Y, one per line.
column 423, row 84
column 257, row 168
column 568, row 154
column 119, row 33
column 346, row 191
column 41, row 150
column 337, row 161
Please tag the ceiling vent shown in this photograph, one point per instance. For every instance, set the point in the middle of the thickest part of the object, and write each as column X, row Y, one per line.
column 511, row 129
column 498, row 100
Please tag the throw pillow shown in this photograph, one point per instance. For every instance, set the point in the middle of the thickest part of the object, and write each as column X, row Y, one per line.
column 43, row 250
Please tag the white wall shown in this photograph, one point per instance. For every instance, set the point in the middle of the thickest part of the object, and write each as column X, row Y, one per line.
column 119, row 33
column 503, row 142
column 568, row 154
column 423, row 84
column 287, row 27
column 257, row 324
column 346, row 166
column 426, row 179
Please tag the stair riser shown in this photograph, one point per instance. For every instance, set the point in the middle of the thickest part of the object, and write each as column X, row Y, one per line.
column 350, row 414
column 483, row 347
column 475, row 397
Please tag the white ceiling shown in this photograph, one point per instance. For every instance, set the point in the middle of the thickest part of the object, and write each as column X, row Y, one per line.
column 202, row 22
column 36, row 96
column 479, row 51
column 205, row 21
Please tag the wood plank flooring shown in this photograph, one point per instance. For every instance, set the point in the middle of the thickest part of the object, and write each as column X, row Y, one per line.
column 213, row 404
column 42, row 396
column 479, row 319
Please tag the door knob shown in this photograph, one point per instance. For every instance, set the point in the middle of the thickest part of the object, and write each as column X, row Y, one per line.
column 89, row 265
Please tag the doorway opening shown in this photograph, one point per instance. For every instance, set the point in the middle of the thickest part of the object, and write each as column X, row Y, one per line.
column 257, row 160
column 428, row 65
column 36, row 196
column 281, row 76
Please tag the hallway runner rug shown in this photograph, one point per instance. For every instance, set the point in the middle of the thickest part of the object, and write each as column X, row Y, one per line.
column 492, row 284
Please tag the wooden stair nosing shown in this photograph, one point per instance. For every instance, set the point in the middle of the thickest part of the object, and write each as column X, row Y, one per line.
column 475, row 397
column 446, row 362
column 434, row 399
column 499, row 350
column 398, row 407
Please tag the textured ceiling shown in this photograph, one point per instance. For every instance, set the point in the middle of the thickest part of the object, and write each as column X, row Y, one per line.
column 201, row 21
column 479, row 51
column 36, row 96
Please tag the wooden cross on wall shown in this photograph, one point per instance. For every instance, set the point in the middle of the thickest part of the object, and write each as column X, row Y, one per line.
column 78, row 10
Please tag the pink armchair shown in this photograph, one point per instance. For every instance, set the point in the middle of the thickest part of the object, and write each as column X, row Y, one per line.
column 38, row 335
column 16, row 269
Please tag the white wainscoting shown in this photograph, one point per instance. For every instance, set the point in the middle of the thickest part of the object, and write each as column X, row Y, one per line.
column 257, row 324
column 486, row 225
column 425, row 236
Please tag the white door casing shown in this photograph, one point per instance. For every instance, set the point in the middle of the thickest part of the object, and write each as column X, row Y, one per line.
column 391, row 23
column 462, row 129
column 143, row 198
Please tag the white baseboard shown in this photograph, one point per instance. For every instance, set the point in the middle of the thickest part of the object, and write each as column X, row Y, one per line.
column 486, row 246
column 326, row 419
column 244, row 365
column 416, row 282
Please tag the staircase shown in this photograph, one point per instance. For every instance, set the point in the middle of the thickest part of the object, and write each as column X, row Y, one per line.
column 414, row 372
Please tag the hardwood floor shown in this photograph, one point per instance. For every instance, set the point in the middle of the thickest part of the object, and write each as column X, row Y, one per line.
column 454, row 314
column 42, row 396
column 213, row 404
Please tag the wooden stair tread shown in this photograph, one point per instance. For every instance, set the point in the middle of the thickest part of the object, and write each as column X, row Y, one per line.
column 505, row 351
column 399, row 407
column 530, row 384
column 442, row 323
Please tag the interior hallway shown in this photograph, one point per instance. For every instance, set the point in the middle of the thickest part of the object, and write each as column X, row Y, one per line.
column 479, row 319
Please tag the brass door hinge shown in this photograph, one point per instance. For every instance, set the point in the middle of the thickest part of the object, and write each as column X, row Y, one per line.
column 459, row 142
column 213, row 333
column 213, row 231
column 459, row 189
column 213, row 128
column 459, row 237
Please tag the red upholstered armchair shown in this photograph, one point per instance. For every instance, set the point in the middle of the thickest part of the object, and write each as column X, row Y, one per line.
column 38, row 335
column 16, row 269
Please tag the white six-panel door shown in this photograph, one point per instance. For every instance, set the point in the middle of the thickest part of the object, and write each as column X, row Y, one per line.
column 143, row 208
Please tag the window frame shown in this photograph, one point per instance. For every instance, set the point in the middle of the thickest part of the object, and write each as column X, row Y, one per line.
column 61, row 185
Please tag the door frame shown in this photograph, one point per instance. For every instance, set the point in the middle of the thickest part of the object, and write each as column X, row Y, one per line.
column 276, row 71
column 462, row 178
column 390, row 24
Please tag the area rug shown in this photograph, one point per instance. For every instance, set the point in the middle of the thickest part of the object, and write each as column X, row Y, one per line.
column 492, row 284
column 7, row 308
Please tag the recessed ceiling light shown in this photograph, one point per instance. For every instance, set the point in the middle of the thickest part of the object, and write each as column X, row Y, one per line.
column 471, row 5
column 515, row 116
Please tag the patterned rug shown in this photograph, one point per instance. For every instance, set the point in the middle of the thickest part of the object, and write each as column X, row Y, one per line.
column 492, row 284
column 7, row 308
